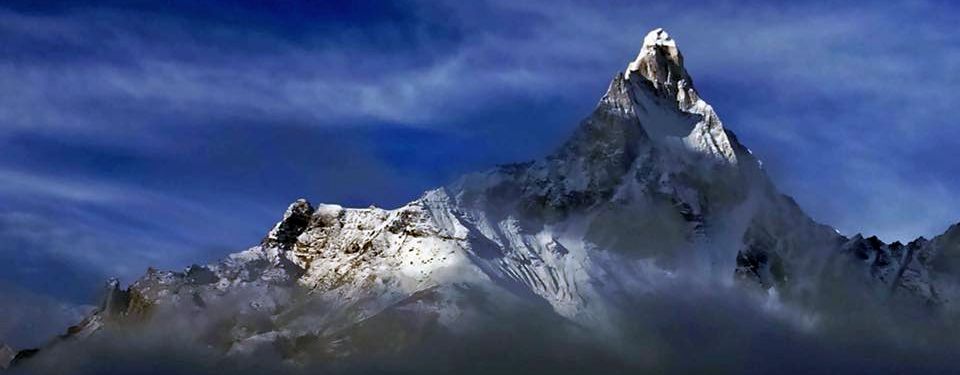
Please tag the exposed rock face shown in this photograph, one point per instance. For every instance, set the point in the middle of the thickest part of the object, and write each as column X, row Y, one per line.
column 295, row 220
column 115, row 301
column 931, row 269
column 650, row 188
column 659, row 67
column 6, row 356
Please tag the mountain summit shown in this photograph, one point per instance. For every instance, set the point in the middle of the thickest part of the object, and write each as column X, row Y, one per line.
column 660, row 65
column 650, row 192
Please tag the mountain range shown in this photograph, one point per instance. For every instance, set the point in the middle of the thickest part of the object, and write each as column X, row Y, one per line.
column 651, row 195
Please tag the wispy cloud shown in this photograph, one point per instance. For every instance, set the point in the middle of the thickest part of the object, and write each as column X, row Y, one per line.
column 58, row 229
column 126, row 77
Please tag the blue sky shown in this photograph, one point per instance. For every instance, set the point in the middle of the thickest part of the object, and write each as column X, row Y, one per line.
column 167, row 133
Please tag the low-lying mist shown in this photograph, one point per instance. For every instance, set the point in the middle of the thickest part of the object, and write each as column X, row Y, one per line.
column 683, row 328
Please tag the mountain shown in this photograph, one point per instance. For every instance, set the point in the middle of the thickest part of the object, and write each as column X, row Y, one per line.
column 650, row 193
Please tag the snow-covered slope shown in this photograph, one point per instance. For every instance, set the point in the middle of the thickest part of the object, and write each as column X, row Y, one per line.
column 651, row 190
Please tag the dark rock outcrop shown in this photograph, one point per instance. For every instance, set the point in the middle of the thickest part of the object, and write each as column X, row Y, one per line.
column 7, row 354
column 295, row 220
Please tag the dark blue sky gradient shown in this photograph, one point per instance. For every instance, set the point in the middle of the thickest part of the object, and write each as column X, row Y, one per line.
column 167, row 133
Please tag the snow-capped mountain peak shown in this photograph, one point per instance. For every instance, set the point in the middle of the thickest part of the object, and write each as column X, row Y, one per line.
column 659, row 59
column 667, row 104
column 650, row 188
